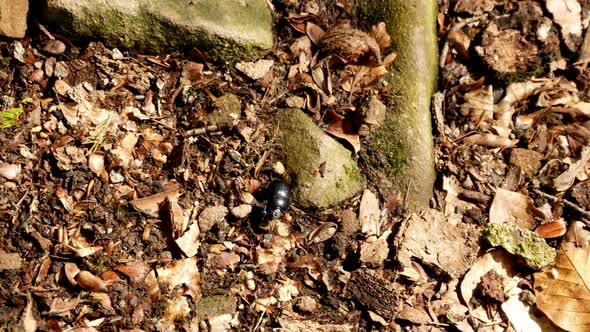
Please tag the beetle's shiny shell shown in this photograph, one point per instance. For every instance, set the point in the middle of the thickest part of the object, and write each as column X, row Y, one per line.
column 279, row 199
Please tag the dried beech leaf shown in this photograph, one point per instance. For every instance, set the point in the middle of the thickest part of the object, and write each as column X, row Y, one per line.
column 90, row 282
column 381, row 36
column 567, row 178
column 151, row 205
column 342, row 128
column 314, row 32
column 498, row 260
column 562, row 290
column 512, row 207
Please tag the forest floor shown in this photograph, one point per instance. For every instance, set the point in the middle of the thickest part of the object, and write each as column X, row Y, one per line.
column 132, row 187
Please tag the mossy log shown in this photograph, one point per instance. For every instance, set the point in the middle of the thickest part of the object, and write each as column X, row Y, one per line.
column 399, row 157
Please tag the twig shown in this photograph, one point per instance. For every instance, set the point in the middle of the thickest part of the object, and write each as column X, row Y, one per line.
column 566, row 202
column 202, row 130
column 45, row 31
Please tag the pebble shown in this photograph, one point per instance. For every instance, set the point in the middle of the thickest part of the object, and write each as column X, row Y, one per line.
column 241, row 211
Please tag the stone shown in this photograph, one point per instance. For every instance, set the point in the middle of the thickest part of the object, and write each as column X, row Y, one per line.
column 399, row 157
column 374, row 253
column 241, row 211
column 306, row 304
column 215, row 305
column 10, row 261
column 349, row 223
column 324, row 171
column 211, row 216
column 13, row 18
column 255, row 70
column 526, row 244
column 229, row 108
column 223, row 30
column 529, row 161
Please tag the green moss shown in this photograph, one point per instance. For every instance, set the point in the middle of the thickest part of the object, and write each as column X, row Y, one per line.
column 524, row 243
column 9, row 118
column 539, row 70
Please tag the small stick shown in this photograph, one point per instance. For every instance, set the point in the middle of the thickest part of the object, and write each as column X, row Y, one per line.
column 566, row 202
column 45, row 31
column 202, row 130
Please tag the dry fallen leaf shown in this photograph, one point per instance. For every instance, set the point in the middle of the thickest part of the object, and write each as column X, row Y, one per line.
column 341, row 127
column 498, row 260
column 512, row 207
column 567, row 178
column 566, row 13
column 151, row 205
column 182, row 272
column 381, row 36
column 562, row 290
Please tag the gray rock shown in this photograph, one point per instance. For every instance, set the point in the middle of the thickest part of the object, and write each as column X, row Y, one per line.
column 215, row 305
column 226, row 30
column 325, row 172
column 241, row 211
column 13, row 18
column 229, row 108
column 211, row 216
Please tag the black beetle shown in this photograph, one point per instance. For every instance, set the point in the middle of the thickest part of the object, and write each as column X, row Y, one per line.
column 278, row 201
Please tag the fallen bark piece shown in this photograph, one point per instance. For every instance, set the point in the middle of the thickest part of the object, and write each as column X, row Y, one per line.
column 374, row 292
column 10, row 261
column 447, row 249
column 294, row 325
column 521, row 242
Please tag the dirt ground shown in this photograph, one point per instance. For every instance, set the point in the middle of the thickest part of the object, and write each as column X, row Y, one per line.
column 134, row 188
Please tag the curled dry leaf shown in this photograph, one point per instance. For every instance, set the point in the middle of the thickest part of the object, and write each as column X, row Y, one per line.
column 314, row 32
column 479, row 105
column 322, row 233
column 381, row 36
column 566, row 179
column 90, row 282
column 71, row 271
column 151, row 205
column 490, row 140
column 578, row 234
column 342, row 128
column 562, row 289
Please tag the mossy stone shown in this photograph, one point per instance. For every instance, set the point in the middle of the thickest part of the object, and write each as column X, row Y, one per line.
column 223, row 30
column 324, row 171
